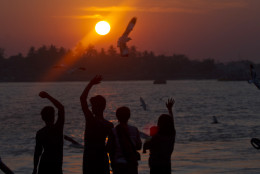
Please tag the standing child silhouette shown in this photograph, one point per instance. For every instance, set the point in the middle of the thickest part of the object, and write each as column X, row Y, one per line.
column 162, row 143
column 49, row 139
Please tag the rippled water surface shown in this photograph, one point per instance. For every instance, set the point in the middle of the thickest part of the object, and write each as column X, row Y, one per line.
column 201, row 147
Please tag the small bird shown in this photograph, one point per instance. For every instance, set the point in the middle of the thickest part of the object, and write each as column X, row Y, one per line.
column 254, row 80
column 121, row 43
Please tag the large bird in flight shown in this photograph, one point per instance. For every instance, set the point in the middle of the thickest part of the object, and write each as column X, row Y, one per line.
column 121, row 43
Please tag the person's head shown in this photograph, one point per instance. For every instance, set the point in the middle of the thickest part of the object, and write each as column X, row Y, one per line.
column 98, row 104
column 165, row 124
column 48, row 115
column 123, row 114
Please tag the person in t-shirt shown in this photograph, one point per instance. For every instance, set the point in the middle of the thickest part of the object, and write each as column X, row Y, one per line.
column 123, row 143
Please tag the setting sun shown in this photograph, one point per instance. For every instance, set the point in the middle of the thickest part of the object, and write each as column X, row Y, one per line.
column 102, row 27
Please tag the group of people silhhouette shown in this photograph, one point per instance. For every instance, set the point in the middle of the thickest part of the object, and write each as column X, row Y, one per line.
column 122, row 145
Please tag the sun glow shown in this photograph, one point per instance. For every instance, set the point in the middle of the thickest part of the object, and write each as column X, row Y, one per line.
column 102, row 27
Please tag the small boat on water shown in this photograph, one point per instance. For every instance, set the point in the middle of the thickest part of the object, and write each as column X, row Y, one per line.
column 159, row 81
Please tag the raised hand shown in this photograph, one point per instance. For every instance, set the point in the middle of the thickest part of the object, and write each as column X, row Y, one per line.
column 170, row 103
column 96, row 80
column 43, row 94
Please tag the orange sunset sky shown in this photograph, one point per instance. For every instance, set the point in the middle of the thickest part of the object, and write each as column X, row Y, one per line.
column 219, row 29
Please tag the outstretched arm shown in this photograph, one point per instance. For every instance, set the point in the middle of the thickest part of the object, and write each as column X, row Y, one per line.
column 83, row 98
column 169, row 105
column 58, row 105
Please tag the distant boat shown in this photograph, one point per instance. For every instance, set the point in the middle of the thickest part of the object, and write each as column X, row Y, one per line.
column 159, row 81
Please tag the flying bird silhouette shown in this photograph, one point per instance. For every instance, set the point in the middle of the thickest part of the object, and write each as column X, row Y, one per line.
column 121, row 43
column 254, row 79
column 143, row 103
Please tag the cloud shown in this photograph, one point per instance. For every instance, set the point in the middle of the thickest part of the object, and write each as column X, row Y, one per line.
column 219, row 4
column 174, row 6
column 164, row 6
column 140, row 9
column 96, row 16
column 109, row 9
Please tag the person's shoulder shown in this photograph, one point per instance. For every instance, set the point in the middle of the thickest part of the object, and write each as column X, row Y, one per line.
column 41, row 131
column 132, row 128
column 109, row 123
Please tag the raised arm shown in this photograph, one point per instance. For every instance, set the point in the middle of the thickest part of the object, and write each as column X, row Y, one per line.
column 169, row 105
column 58, row 105
column 83, row 98
column 37, row 154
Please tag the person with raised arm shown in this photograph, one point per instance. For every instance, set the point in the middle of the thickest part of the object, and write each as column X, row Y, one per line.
column 48, row 154
column 95, row 159
column 162, row 143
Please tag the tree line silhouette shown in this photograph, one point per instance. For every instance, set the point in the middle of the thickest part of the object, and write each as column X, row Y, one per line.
column 137, row 66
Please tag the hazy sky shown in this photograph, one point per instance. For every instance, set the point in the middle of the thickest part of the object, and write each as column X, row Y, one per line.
column 219, row 29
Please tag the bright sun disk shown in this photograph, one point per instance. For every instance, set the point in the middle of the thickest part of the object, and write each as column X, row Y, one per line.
column 102, row 27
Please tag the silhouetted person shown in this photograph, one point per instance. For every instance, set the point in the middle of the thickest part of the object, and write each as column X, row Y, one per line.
column 4, row 168
column 162, row 143
column 123, row 143
column 49, row 139
column 95, row 159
